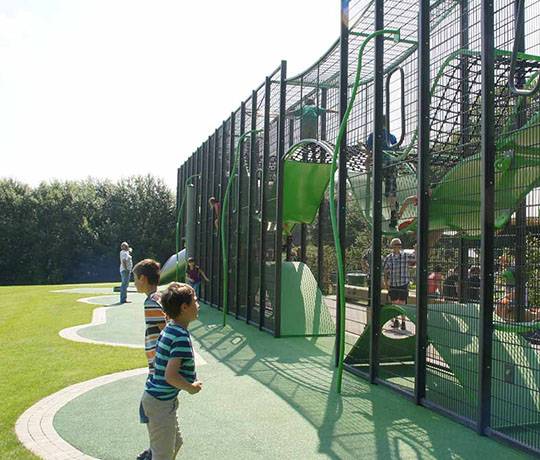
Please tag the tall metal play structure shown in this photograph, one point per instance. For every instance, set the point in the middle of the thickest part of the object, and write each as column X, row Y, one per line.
column 435, row 109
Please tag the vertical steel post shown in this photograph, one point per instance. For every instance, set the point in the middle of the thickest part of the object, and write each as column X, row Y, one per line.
column 376, row 232
column 238, row 197
column 264, row 197
column 487, row 216
column 342, row 171
column 251, row 203
column 322, row 209
column 197, row 217
column 424, row 103
column 220, row 199
column 521, row 213
column 279, row 197
column 203, row 258
column 464, row 130
column 238, row 184
column 211, row 228
column 230, row 230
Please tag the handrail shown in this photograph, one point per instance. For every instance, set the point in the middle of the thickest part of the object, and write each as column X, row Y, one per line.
column 403, row 127
column 515, row 52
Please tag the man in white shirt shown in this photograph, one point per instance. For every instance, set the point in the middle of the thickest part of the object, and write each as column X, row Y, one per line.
column 126, row 265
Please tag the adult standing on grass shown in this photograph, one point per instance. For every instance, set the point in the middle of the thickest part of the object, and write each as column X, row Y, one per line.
column 396, row 277
column 126, row 265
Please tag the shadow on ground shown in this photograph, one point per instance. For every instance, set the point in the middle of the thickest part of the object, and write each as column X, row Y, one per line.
column 365, row 421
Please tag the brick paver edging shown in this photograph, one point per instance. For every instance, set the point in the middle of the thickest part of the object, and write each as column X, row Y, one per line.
column 35, row 429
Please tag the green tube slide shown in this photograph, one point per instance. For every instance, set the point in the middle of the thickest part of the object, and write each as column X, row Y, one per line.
column 174, row 269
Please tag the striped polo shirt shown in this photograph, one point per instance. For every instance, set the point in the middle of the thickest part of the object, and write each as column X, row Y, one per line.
column 155, row 321
column 174, row 342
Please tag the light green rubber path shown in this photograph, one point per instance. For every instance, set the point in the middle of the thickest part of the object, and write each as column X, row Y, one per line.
column 125, row 323
column 269, row 398
column 453, row 331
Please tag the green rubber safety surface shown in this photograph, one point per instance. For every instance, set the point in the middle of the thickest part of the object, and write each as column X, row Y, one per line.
column 272, row 398
column 453, row 331
column 125, row 323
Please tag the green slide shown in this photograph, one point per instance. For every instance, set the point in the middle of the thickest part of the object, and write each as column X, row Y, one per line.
column 390, row 350
column 455, row 202
column 453, row 331
column 361, row 188
column 304, row 182
column 303, row 310
column 305, row 179
column 168, row 271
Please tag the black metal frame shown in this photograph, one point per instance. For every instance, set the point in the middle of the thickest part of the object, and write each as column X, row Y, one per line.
column 423, row 202
column 210, row 159
column 376, row 231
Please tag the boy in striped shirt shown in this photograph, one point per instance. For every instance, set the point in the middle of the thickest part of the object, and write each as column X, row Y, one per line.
column 174, row 371
column 146, row 275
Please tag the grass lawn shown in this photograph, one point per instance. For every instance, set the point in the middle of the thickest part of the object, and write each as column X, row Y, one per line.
column 38, row 362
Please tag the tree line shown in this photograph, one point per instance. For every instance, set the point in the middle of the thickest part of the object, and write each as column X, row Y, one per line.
column 70, row 231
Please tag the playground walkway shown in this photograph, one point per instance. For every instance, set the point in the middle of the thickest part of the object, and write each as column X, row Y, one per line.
column 262, row 398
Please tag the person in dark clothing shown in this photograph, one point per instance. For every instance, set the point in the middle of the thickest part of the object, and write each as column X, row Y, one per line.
column 451, row 285
column 194, row 276
column 472, row 285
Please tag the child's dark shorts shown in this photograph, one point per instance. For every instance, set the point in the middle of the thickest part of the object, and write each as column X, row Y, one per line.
column 399, row 293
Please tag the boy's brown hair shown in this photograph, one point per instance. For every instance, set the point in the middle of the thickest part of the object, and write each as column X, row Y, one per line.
column 176, row 295
column 149, row 268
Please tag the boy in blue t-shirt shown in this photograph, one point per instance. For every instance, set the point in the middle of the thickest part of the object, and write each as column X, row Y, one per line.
column 174, row 370
column 389, row 171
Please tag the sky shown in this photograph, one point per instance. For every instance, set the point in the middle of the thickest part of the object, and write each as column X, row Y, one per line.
column 113, row 88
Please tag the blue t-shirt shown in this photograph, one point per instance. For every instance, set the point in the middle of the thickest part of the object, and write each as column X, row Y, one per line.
column 174, row 342
column 389, row 140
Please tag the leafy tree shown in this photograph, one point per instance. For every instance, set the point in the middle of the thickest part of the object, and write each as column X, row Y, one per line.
column 71, row 231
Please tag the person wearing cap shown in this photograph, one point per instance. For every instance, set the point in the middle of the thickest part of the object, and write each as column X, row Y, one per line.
column 396, row 277
column 126, row 265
